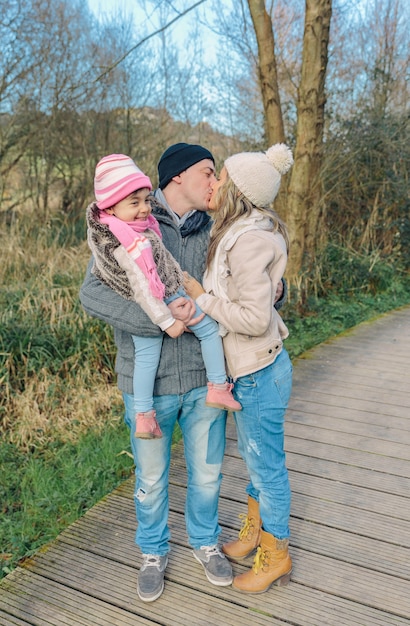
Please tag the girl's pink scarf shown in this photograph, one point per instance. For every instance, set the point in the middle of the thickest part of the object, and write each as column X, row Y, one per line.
column 130, row 235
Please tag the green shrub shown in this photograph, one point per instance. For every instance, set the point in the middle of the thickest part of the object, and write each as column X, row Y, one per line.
column 344, row 271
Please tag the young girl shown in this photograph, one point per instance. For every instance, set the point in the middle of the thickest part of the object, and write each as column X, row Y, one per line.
column 246, row 260
column 130, row 257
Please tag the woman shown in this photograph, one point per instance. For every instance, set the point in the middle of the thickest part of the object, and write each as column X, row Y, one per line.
column 246, row 261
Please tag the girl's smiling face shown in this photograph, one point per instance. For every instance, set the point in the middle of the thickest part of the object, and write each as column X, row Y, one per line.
column 136, row 206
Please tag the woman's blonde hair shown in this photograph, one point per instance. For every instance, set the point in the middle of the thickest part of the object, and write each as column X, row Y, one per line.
column 233, row 205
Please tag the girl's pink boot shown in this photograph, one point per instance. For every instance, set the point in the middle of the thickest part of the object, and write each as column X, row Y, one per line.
column 220, row 396
column 147, row 426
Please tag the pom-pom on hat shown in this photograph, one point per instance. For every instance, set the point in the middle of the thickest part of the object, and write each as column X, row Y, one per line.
column 258, row 174
column 116, row 177
column 178, row 158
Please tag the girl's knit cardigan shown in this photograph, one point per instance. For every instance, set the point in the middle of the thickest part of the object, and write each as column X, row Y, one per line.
column 115, row 267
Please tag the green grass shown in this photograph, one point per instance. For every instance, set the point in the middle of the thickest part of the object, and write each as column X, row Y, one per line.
column 45, row 490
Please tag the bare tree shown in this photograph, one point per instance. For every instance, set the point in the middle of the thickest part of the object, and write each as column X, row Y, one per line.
column 267, row 72
column 305, row 188
column 304, row 194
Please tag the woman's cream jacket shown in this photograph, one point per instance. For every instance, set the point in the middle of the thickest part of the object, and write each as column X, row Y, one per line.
column 241, row 286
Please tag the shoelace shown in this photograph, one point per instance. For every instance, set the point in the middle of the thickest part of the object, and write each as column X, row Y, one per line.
column 247, row 526
column 211, row 551
column 260, row 560
column 151, row 560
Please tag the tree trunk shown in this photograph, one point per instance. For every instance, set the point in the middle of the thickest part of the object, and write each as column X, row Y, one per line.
column 267, row 74
column 304, row 193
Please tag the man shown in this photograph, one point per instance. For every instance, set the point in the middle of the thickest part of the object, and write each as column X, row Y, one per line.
column 186, row 173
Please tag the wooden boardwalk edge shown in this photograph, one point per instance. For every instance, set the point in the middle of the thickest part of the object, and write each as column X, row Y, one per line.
column 348, row 453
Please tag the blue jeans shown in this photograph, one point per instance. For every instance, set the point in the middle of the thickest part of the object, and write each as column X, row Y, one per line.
column 264, row 396
column 148, row 353
column 203, row 430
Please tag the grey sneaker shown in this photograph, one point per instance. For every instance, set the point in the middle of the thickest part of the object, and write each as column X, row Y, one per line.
column 217, row 568
column 151, row 577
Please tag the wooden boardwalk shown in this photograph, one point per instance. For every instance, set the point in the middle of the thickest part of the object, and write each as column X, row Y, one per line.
column 347, row 442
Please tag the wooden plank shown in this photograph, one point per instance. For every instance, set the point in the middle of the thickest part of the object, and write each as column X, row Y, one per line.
column 357, row 378
column 358, row 350
column 48, row 602
column 289, row 604
column 10, row 620
column 378, row 555
column 315, row 510
column 328, row 489
column 365, row 374
column 190, row 604
column 367, row 453
column 342, row 473
column 104, row 536
column 312, row 408
column 347, row 544
column 378, row 400
column 345, row 518
column 357, row 497
column 323, row 488
column 388, row 593
column 383, row 432
column 350, row 403
column 345, row 455
column 40, row 606
column 343, row 355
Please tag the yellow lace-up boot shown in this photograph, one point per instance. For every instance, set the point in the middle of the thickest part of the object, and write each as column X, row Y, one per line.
column 272, row 565
column 249, row 535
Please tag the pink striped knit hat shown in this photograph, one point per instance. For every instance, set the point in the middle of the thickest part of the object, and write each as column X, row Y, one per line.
column 116, row 177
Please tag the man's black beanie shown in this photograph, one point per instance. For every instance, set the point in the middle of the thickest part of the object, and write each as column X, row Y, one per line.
column 178, row 158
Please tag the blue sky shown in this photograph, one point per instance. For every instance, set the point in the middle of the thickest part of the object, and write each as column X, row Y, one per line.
column 177, row 32
column 99, row 7
column 106, row 7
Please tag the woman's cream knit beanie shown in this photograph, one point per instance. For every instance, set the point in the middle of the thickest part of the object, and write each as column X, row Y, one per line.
column 258, row 174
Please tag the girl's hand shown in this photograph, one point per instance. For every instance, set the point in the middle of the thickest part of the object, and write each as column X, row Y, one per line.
column 192, row 286
column 182, row 309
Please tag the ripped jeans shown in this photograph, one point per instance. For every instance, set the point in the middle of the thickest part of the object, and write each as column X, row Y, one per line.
column 203, row 430
column 264, row 396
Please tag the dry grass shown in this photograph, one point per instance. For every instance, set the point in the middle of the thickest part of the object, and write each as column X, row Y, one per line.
column 35, row 420
column 55, row 375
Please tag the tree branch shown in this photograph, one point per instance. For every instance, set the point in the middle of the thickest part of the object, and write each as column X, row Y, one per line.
column 160, row 30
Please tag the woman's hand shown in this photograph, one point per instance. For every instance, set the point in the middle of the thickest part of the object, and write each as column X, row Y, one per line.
column 192, row 286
